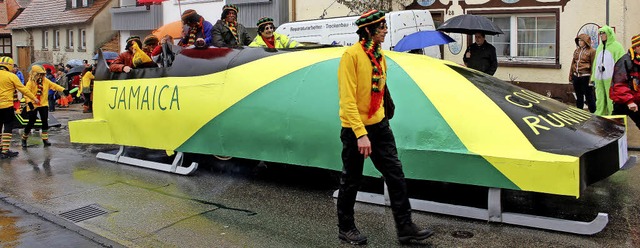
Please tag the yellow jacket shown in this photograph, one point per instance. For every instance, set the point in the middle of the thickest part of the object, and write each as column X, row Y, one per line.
column 46, row 85
column 281, row 41
column 354, row 89
column 9, row 82
column 85, row 82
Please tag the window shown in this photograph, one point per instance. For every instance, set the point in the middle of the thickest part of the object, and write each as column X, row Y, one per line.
column 528, row 38
column 82, row 43
column 56, row 39
column 72, row 4
column 5, row 47
column 45, row 39
column 70, row 39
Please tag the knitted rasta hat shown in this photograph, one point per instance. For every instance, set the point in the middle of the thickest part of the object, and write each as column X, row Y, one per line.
column 370, row 17
column 132, row 39
column 230, row 7
column 150, row 40
column 190, row 16
column 264, row 21
column 635, row 41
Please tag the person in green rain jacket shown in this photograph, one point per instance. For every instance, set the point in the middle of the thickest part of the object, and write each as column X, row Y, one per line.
column 607, row 53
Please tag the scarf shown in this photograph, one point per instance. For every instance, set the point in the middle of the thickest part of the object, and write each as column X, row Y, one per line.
column 232, row 27
column 374, row 53
column 39, row 93
column 193, row 31
column 271, row 42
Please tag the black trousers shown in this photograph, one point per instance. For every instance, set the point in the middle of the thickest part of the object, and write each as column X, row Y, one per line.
column 33, row 116
column 582, row 89
column 622, row 109
column 7, row 117
column 384, row 156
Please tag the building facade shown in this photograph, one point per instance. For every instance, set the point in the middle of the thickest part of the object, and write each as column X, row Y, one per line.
column 536, row 48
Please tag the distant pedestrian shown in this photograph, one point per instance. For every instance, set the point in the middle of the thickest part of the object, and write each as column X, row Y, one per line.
column 9, row 83
column 580, row 72
column 481, row 55
column 86, row 89
column 39, row 85
column 362, row 76
column 607, row 53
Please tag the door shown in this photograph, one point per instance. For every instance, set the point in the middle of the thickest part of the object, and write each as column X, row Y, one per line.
column 25, row 53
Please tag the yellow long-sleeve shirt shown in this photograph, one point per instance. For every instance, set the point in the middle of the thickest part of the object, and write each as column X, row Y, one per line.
column 9, row 82
column 86, row 82
column 46, row 85
column 354, row 88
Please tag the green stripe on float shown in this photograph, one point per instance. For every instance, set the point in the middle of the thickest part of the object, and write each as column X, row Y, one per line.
column 294, row 120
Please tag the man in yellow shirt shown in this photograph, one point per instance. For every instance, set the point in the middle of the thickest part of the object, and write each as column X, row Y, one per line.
column 366, row 132
column 9, row 83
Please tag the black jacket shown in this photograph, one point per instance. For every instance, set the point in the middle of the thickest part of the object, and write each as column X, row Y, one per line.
column 222, row 36
column 483, row 58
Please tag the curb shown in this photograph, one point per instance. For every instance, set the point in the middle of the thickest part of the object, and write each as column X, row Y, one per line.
column 61, row 222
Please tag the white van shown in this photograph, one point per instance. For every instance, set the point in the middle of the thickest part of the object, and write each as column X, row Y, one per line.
column 342, row 30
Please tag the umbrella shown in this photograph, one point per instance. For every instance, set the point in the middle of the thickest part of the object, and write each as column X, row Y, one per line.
column 107, row 55
column 75, row 62
column 470, row 24
column 422, row 39
column 174, row 29
column 76, row 70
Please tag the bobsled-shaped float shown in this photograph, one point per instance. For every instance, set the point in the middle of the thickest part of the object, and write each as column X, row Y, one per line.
column 452, row 124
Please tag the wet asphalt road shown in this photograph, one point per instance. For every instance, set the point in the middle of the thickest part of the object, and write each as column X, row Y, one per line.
column 239, row 204
column 19, row 228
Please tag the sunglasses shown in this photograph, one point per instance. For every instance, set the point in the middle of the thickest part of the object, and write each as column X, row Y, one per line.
column 269, row 28
column 601, row 32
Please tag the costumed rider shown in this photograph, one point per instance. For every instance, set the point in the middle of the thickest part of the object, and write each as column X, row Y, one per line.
column 9, row 83
column 39, row 85
column 625, row 91
column 197, row 31
column 227, row 32
column 267, row 36
column 132, row 57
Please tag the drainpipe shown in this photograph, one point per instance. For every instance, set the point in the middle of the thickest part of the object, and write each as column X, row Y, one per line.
column 607, row 9
column 293, row 12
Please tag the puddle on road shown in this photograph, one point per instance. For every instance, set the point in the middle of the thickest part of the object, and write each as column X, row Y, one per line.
column 9, row 232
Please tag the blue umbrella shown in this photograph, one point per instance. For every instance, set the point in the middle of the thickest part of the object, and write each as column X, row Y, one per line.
column 107, row 55
column 75, row 62
column 422, row 39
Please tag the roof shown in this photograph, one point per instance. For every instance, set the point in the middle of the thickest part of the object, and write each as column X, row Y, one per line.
column 44, row 13
column 23, row 3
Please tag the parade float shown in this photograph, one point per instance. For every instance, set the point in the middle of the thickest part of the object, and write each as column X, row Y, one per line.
column 451, row 124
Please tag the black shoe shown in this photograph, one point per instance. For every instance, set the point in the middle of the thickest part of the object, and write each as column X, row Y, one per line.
column 8, row 154
column 46, row 142
column 352, row 236
column 24, row 143
column 412, row 232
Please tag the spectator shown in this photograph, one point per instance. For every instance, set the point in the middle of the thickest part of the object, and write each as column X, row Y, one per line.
column 62, row 80
column 481, row 55
column 625, row 92
column 227, row 32
column 52, row 93
column 267, row 37
column 607, row 53
column 197, row 31
column 580, row 72
column 366, row 131
column 9, row 83
column 39, row 85
column 18, row 73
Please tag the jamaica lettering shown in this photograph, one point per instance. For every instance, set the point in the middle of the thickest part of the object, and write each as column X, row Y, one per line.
column 163, row 97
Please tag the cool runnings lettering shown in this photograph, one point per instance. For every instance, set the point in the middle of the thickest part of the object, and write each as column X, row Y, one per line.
column 145, row 98
column 567, row 117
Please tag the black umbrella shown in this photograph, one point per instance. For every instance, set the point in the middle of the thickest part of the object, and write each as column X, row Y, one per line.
column 76, row 70
column 470, row 24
